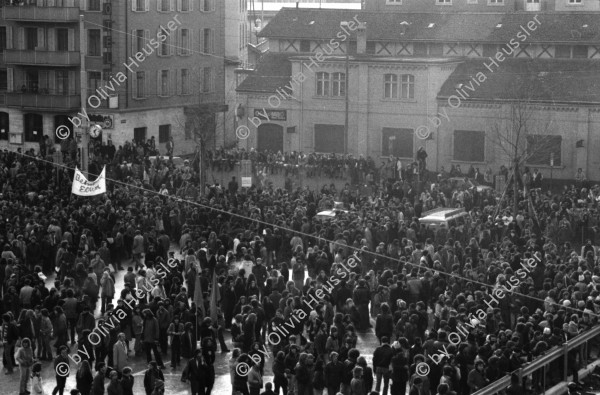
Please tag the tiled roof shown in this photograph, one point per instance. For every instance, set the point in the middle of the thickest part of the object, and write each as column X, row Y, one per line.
column 546, row 80
column 272, row 72
column 315, row 24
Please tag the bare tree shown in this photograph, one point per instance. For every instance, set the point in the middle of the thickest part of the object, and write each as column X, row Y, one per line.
column 199, row 121
column 522, row 136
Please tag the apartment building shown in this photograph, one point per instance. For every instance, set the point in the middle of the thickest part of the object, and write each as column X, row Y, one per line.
column 131, row 96
column 398, row 73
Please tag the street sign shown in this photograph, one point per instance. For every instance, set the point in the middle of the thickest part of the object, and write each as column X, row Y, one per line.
column 246, row 182
column 246, row 173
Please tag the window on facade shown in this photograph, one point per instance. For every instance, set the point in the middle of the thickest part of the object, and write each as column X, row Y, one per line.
column 390, row 86
column 371, row 47
column 165, row 48
column 304, row 46
column 3, row 38
column 562, row 51
column 185, row 5
column 140, row 86
column 469, row 146
column 495, row 2
column 94, row 81
column 489, row 50
column 436, row 49
column 93, row 5
column 31, row 38
column 207, row 46
column 207, row 80
column 397, row 142
column 443, row 1
column 4, row 126
column 542, row 148
column 323, row 82
column 94, row 48
column 420, row 49
column 33, row 126
column 62, row 82
column 164, row 83
column 139, row 135
column 185, row 82
column 580, row 51
column 185, row 42
column 165, row 5
column 139, row 39
column 407, row 90
column 208, row 5
column 140, row 5
column 164, row 132
column 575, row 1
column 3, row 80
column 338, row 87
column 62, row 39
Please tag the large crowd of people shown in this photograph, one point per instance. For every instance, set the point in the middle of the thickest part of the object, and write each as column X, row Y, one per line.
column 372, row 266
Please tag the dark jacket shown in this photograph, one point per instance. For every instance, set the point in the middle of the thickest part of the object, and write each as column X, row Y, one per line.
column 150, row 378
column 382, row 357
column 98, row 384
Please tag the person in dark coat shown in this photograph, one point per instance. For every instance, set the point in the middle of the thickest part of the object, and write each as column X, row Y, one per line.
column 333, row 373
column 399, row 372
column 98, row 383
column 151, row 376
column 84, row 378
column 196, row 372
column 362, row 297
column 127, row 381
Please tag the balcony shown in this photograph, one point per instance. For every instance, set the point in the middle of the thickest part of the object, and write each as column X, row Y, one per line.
column 32, row 13
column 43, row 102
column 41, row 58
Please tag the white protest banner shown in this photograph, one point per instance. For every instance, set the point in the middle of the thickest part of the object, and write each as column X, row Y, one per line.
column 83, row 187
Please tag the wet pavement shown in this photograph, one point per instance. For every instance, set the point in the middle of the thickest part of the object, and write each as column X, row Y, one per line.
column 9, row 384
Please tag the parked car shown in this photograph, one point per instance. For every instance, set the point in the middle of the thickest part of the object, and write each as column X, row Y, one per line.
column 338, row 209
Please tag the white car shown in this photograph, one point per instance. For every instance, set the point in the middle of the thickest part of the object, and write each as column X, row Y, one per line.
column 338, row 208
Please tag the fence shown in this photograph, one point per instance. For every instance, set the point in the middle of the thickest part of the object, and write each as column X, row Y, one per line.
column 543, row 362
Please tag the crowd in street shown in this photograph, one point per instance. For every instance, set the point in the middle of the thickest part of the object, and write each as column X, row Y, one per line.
column 318, row 284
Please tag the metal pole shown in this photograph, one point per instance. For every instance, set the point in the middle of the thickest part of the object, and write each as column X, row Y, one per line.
column 83, row 97
column 347, row 98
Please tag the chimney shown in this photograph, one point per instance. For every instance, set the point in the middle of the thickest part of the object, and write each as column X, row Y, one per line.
column 361, row 38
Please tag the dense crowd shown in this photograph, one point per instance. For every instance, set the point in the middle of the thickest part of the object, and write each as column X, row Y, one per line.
column 372, row 266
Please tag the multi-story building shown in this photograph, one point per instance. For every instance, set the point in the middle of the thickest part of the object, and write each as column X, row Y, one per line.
column 392, row 75
column 145, row 62
column 480, row 5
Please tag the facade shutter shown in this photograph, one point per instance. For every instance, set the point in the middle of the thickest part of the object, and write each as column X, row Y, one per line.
column 9, row 37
